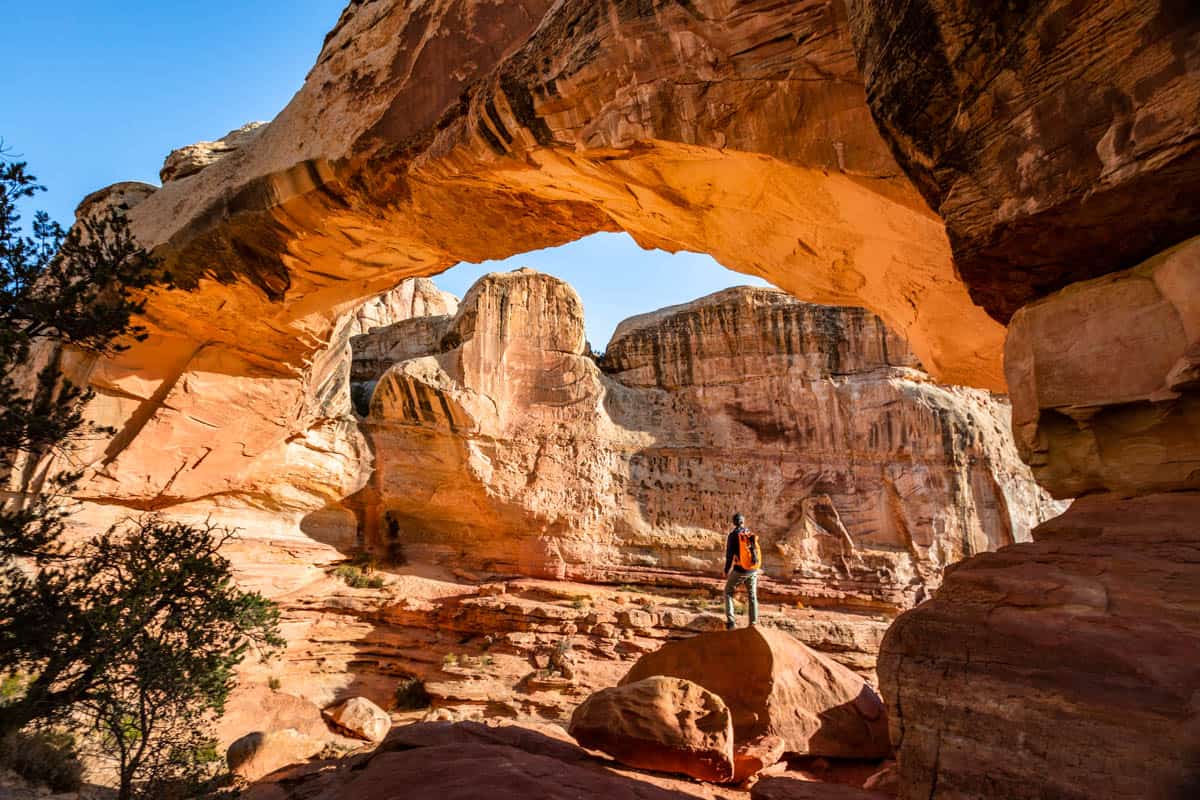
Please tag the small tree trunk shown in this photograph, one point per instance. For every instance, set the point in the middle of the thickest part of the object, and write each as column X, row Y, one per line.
column 125, row 791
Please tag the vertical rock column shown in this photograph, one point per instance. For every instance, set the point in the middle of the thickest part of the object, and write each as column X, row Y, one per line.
column 1069, row 667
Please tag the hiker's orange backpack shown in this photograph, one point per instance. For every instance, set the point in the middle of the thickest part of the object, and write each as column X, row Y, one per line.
column 749, row 553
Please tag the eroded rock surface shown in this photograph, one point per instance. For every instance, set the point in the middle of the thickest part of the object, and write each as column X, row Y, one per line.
column 506, row 447
column 1065, row 667
column 262, row 752
column 1059, row 141
column 1121, row 413
column 466, row 130
column 662, row 724
column 189, row 160
column 775, row 686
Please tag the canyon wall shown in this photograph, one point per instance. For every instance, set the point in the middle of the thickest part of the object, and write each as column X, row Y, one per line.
column 501, row 445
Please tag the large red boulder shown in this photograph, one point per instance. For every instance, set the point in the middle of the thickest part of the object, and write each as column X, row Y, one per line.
column 662, row 724
column 776, row 686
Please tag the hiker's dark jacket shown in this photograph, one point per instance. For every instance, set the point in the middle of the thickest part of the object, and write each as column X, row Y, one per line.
column 731, row 551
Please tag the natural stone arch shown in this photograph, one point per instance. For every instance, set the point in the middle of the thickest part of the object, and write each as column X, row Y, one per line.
column 466, row 130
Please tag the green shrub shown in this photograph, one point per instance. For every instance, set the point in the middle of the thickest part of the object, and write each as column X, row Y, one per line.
column 12, row 687
column 46, row 758
column 411, row 695
column 274, row 683
column 357, row 578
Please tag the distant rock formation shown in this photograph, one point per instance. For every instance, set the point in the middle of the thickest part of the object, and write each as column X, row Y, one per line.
column 187, row 161
column 501, row 445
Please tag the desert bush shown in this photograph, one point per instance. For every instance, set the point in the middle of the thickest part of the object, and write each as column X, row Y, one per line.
column 411, row 694
column 357, row 578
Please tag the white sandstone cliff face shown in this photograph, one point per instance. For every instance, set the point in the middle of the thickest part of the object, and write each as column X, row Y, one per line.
column 504, row 447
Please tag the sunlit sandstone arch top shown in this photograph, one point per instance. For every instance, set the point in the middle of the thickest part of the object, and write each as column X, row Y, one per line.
column 429, row 133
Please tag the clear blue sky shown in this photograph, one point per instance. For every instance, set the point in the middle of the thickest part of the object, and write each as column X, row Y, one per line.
column 100, row 92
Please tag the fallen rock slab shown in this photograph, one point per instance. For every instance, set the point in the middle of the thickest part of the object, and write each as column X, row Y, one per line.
column 258, row 754
column 361, row 718
column 258, row 708
column 776, row 686
column 662, row 724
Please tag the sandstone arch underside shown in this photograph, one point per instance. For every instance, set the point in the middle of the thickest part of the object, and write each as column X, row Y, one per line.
column 463, row 130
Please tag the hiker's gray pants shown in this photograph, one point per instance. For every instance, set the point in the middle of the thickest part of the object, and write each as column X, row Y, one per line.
column 735, row 579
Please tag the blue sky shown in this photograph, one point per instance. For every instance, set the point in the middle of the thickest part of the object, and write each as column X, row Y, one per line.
column 101, row 92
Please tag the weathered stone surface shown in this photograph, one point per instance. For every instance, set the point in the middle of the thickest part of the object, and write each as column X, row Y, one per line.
column 505, row 447
column 1066, row 667
column 261, row 753
column 413, row 298
column 1058, row 140
column 257, row 708
column 189, row 160
column 551, row 83
column 781, row 788
column 452, row 765
column 359, row 717
column 753, row 756
column 662, row 724
column 1106, row 395
column 775, row 686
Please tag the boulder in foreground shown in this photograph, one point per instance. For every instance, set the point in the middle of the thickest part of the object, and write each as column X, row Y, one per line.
column 776, row 686
column 361, row 718
column 662, row 724
column 261, row 753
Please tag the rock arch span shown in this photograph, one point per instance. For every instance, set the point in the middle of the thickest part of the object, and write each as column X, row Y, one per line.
column 1059, row 142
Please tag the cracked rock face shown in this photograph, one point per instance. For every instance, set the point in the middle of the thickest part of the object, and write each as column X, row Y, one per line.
column 1059, row 141
column 504, row 447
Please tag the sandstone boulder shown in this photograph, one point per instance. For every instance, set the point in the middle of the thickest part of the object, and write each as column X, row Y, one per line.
column 359, row 717
column 1103, row 380
column 1062, row 668
column 753, row 756
column 775, row 686
column 662, row 724
column 258, row 708
column 262, row 752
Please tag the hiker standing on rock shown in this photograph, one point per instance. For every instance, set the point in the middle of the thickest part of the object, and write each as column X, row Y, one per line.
column 743, row 560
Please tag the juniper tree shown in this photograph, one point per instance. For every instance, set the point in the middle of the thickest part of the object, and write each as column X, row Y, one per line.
column 137, row 629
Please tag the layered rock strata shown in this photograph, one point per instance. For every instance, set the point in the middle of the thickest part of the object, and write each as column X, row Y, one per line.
column 738, row 130
column 1063, row 668
column 505, row 448
column 1059, row 141
column 1095, row 622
